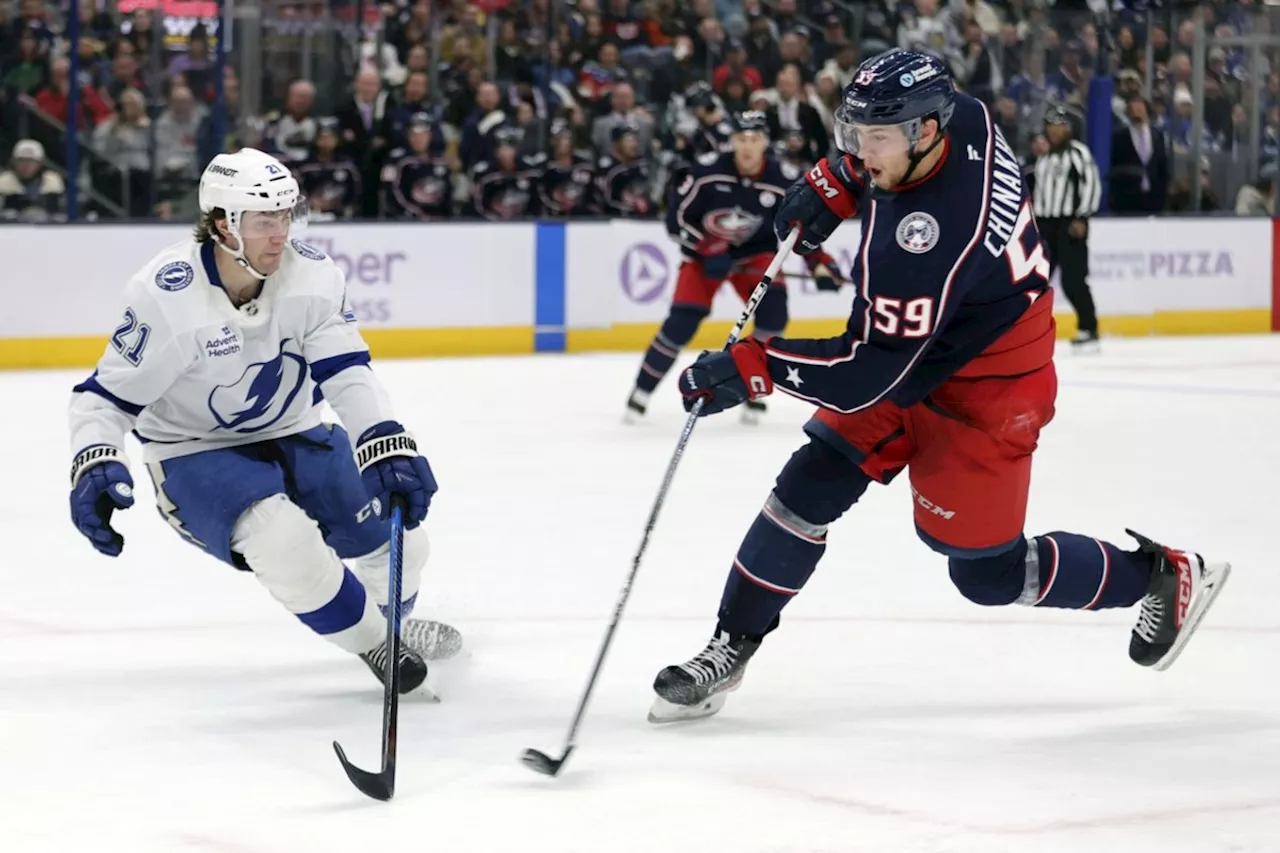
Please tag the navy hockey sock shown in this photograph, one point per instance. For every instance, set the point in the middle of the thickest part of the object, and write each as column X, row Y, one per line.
column 677, row 330
column 788, row 537
column 1080, row 572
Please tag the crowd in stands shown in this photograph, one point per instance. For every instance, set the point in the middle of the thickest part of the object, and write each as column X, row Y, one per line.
column 508, row 109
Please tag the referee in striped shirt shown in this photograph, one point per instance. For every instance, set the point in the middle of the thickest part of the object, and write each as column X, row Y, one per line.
column 1067, row 191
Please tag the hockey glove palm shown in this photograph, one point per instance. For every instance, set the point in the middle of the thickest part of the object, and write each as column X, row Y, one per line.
column 390, row 466
column 100, row 485
column 728, row 378
column 827, row 196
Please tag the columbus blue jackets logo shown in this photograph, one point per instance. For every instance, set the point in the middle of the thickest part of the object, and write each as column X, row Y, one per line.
column 175, row 276
column 732, row 224
column 307, row 250
column 918, row 232
column 261, row 396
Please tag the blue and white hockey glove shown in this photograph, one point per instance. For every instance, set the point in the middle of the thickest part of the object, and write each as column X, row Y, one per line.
column 100, row 485
column 819, row 202
column 728, row 378
column 390, row 465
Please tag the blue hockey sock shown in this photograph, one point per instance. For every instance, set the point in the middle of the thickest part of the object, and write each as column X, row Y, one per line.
column 776, row 557
column 677, row 330
column 1082, row 573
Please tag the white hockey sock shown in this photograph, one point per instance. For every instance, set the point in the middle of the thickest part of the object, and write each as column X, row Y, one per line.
column 373, row 568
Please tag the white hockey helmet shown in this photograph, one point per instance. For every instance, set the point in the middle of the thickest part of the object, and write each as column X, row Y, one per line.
column 246, row 182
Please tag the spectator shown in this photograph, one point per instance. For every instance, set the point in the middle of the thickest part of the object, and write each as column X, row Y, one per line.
column 761, row 42
column 194, row 65
column 711, row 45
column 53, row 98
column 1139, row 164
column 293, row 132
column 624, row 112
column 478, row 128
column 979, row 73
column 468, row 28
column 792, row 50
column 366, row 132
column 677, row 75
column 177, row 129
column 735, row 65
column 330, row 180
column 1259, row 197
column 414, row 99
column 31, row 19
column 1180, row 195
column 124, row 75
column 842, row 65
column 792, row 113
column 124, row 141
column 29, row 191
column 598, row 78
column 1068, row 82
column 28, row 70
column 510, row 61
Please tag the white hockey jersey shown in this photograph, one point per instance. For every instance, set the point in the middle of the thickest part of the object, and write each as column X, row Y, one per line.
column 187, row 371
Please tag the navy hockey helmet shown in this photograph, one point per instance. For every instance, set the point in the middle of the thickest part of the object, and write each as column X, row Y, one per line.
column 900, row 88
column 561, row 127
column 622, row 130
column 328, row 124
column 751, row 121
column 420, row 120
column 700, row 96
column 508, row 136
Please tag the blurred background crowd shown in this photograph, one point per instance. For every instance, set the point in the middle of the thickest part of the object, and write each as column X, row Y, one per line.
column 507, row 109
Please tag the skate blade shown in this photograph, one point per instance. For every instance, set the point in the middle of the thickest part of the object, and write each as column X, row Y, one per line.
column 750, row 417
column 632, row 417
column 663, row 711
column 1088, row 348
column 1215, row 577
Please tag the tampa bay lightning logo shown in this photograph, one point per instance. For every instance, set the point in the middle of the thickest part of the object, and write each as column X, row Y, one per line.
column 261, row 396
column 175, row 276
column 307, row 250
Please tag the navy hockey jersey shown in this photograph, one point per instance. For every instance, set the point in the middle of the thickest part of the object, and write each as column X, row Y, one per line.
column 624, row 188
column 566, row 189
column 332, row 188
column 718, row 210
column 947, row 265
column 501, row 195
column 417, row 186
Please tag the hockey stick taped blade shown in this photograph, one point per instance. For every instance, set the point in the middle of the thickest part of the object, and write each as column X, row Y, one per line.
column 541, row 762
column 374, row 785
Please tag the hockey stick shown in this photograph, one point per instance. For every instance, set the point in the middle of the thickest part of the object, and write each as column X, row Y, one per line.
column 540, row 761
column 382, row 785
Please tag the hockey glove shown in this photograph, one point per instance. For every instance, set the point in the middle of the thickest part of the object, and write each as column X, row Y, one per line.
column 827, row 196
column 727, row 379
column 100, row 485
column 717, row 267
column 390, row 466
column 825, row 272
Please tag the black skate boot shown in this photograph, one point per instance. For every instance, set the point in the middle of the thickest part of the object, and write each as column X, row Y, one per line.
column 698, row 688
column 413, row 670
column 637, row 405
column 1182, row 588
column 752, row 411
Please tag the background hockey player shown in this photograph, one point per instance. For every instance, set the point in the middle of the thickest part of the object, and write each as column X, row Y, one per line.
column 702, row 127
column 567, row 184
column 723, row 219
column 416, row 183
column 506, row 187
column 946, row 370
column 225, row 346
column 329, row 180
column 624, row 183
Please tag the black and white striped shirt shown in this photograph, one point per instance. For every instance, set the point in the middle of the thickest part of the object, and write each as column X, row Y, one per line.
column 1067, row 184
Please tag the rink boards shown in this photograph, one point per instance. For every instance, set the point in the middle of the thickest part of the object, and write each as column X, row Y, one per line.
column 452, row 289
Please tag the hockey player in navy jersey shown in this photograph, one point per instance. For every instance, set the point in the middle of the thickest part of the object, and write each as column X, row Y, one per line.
column 228, row 346
column 415, row 183
column 623, row 181
column 722, row 216
column 701, row 128
column 567, row 183
column 328, row 178
column 945, row 371
column 506, row 187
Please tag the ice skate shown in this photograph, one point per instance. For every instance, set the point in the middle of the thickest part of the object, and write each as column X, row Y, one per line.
column 413, row 670
column 1183, row 586
column 698, row 688
column 431, row 640
column 1086, row 343
column 637, row 405
column 752, row 411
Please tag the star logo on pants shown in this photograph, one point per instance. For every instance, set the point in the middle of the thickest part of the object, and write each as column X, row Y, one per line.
column 793, row 376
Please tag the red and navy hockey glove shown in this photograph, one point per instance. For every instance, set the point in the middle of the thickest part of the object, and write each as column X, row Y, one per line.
column 825, row 271
column 827, row 196
column 727, row 378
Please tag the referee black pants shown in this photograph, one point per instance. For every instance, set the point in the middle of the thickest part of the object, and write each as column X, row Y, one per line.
column 1071, row 256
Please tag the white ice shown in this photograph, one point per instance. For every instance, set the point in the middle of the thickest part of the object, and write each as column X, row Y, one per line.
column 163, row 702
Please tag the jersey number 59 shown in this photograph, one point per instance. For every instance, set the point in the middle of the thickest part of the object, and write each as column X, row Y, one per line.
column 910, row 319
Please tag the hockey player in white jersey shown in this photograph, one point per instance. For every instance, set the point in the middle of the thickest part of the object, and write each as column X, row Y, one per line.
column 227, row 345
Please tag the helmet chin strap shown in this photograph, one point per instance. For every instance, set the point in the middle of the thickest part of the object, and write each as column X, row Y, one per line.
column 915, row 157
column 233, row 225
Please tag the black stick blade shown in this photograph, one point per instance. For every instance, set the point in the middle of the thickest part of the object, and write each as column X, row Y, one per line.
column 379, row 786
column 542, row 763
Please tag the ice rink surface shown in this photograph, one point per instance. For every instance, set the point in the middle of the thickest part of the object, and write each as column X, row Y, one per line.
column 162, row 702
